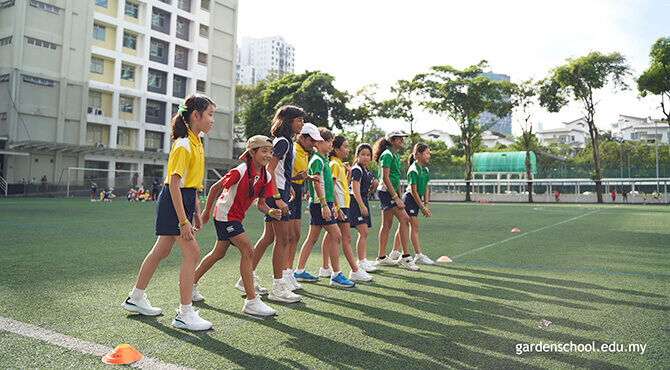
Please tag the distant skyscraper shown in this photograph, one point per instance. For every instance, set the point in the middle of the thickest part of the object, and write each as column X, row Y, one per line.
column 503, row 124
column 258, row 58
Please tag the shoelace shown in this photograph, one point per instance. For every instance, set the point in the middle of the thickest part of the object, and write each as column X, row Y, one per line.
column 146, row 300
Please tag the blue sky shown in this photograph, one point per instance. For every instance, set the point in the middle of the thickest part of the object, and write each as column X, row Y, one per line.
column 374, row 41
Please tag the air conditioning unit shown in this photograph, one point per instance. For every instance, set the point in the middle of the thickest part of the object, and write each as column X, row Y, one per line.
column 99, row 112
column 100, row 145
column 90, row 110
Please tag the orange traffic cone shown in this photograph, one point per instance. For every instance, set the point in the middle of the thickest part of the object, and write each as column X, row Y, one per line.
column 515, row 230
column 444, row 259
column 121, row 355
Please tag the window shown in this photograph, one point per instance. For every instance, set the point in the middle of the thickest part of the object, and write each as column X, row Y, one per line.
column 184, row 5
column 6, row 4
column 204, row 4
column 129, row 41
column 157, row 19
column 153, row 141
column 101, row 3
column 38, row 81
column 179, row 86
column 157, row 49
column 204, row 31
column 182, row 28
column 132, row 10
column 153, row 110
column 156, row 79
column 99, row 32
column 93, row 133
column 202, row 58
column 44, row 6
column 44, row 44
column 3, row 116
column 126, row 104
column 97, row 65
column 169, row 2
column 6, row 41
column 95, row 99
column 181, row 57
column 200, row 86
column 127, row 72
column 4, row 78
column 123, row 137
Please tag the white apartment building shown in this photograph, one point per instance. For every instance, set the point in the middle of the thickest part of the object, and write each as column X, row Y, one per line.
column 574, row 133
column 438, row 135
column 631, row 128
column 95, row 83
column 493, row 138
column 258, row 58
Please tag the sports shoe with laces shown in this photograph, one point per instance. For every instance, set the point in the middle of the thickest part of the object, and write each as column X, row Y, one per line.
column 341, row 281
column 190, row 320
column 408, row 263
column 422, row 259
column 325, row 273
column 360, row 275
column 366, row 265
column 140, row 305
column 306, row 277
column 386, row 262
column 257, row 307
column 280, row 292
column 196, row 296
column 395, row 255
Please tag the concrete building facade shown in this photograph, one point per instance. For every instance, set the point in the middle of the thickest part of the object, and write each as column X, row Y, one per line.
column 258, row 58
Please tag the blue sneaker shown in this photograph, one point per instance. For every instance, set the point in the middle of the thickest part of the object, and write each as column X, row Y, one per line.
column 341, row 281
column 306, row 277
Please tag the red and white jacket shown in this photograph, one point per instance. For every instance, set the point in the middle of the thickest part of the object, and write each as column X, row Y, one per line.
column 234, row 200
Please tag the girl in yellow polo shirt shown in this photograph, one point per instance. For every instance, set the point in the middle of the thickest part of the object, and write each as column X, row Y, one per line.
column 178, row 212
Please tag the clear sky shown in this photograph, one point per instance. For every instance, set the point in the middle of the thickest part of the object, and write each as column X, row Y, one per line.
column 380, row 41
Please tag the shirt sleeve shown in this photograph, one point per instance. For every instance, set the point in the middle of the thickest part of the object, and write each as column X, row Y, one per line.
column 334, row 170
column 268, row 187
column 178, row 161
column 412, row 177
column 386, row 160
column 316, row 167
column 280, row 148
column 356, row 174
column 231, row 178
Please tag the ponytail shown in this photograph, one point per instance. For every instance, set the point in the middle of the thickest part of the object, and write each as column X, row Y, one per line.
column 263, row 177
column 181, row 119
column 379, row 147
column 419, row 147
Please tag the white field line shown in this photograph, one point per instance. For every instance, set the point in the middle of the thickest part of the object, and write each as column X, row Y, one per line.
column 74, row 344
column 524, row 234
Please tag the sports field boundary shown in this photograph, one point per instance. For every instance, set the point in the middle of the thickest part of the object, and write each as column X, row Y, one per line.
column 562, row 269
column 74, row 344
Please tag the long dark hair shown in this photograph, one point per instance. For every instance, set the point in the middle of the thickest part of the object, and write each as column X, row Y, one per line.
column 195, row 102
column 284, row 116
column 337, row 143
column 263, row 176
column 419, row 147
column 378, row 148
column 325, row 133
column 362, row 147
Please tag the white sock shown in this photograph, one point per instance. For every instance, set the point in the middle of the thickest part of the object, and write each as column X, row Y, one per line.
column 183, row 308
column 137, row 293
column 335, row 273
column 277, row 281
column 299, row 271
column 254, row 272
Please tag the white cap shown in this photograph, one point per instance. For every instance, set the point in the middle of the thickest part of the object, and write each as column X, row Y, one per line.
column 312, row 131
column 395, row 133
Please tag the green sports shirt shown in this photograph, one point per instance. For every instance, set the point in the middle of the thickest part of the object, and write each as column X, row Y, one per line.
column 389, row 159
column 418, row 175
column 318, row 164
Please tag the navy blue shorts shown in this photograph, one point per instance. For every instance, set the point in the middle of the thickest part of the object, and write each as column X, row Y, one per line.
column 295, row 207
column 315, row 217
column 166, row 216
column 272, row 203
column 346, row 216
column 385, row 201
column 227, row 229
column 355, row 217
column 411, row 207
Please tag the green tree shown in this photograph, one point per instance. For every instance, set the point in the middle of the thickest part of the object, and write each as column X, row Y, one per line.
column 401, row 105
column 577, row 80
column 656, row 79
column 365, row 107
column 524, row 99
column 463, row 95
column 313, row 91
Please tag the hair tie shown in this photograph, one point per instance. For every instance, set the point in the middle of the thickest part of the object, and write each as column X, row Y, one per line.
column 181, row 110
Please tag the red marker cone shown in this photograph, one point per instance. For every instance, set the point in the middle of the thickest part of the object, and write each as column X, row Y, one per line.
column 121, row 355
column 515, row 230
column 444, row 259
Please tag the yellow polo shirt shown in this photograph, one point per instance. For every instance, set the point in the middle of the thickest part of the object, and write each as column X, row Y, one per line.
column 300, row 160
column 340, row 182
column 187, row 159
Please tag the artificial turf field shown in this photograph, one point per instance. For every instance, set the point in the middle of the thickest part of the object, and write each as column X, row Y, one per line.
column 67, row 265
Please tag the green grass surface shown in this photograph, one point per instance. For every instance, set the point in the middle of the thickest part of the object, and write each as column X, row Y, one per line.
column 67, row 265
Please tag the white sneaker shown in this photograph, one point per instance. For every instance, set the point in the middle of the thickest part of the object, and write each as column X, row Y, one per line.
column 257, row 287
column 360, row 275
column 325, row 273
column 422, row 259
column 395, row 255
column 367, row 265
column 190, row 320
column 408, row 263
column 291, row 281
column 386, row 262
column 196, row 296
column 257, row 307
column 141, row 305
column 281, row 292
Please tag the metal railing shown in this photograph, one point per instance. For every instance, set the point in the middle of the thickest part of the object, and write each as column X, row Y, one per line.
column 3, row 186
